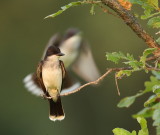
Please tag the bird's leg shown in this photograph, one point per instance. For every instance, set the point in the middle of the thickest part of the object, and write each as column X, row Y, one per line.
column 45, row 96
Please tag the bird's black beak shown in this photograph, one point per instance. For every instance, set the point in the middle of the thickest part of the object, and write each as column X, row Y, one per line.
column 60, row 54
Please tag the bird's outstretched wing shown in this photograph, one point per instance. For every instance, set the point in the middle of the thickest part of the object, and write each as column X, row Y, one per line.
column 34, row 83
column 85, row 66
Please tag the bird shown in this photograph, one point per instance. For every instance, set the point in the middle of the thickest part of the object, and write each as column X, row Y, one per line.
column 78, row 58
column 50, row 74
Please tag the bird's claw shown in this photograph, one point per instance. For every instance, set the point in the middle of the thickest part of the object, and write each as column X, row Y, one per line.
column 46, row 97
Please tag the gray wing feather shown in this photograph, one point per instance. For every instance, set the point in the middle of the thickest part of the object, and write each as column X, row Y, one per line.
column 85, row 66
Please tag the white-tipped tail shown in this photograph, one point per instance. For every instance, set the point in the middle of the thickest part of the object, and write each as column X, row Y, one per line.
column 58, row 118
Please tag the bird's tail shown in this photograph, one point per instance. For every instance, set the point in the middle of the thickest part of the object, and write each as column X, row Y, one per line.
column 56, row 110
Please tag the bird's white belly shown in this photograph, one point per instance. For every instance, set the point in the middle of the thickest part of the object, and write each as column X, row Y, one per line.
column 52, row 79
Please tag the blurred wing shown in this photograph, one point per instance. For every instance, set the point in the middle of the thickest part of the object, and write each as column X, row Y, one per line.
column 67, row 83
column 85, row 66
column 54, row 40
column 72, row 88
column 32, row 85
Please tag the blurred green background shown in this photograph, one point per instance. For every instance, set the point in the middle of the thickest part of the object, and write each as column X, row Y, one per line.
column 23, row 36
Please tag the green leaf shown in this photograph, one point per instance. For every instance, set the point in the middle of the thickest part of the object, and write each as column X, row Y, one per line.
column 92, row 11
column 149, row 6
column 153, row 3
column 115, row 57
column 149, row 84
column 147, row 10
column 129, row 57
column 123, row 72
column 64, row 8
column 128, row 101
column 156, row 117
column 156, row 89
column 143, row 131
column 146, row 113
column 143, row 124
column 121, row 131
column 154, row 22
column 146, row 52
column 151, row 101
column 156, row 74
column 156, row 106
column 134, row 64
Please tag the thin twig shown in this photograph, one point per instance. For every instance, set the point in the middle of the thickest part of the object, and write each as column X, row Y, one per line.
column 98, row 80
column 116, row 80
column 152, row 68
column 90, row 83
column 151, row 58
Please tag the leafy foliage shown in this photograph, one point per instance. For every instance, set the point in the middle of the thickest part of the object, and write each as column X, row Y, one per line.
column 128, row 59
column 151, row 12
column 152, row 105
column 143, row 131
column 116, row 57
column 143, row 123
column 146, row 113
column 128, row 101
column 145, row 54
column 148, row 5
column 121, row 131
column 154, row 22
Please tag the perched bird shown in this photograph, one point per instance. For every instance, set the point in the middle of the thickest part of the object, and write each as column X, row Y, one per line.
column 50, row 74
column 78, row 58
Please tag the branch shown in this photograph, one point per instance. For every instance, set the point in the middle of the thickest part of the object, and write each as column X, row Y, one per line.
column 98, row 80
column 132, row 22
column 103, row 76
column 116, row 80
column 90, row 83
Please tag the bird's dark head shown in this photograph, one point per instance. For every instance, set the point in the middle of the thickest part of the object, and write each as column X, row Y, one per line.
column 53, row 50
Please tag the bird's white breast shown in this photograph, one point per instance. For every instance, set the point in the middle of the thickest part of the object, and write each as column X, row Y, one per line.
column 52, row 76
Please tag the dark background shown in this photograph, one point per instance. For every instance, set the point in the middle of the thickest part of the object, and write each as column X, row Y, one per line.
column 23, row 35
